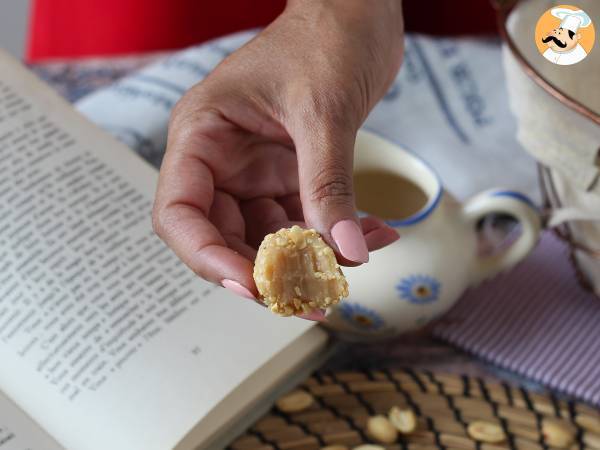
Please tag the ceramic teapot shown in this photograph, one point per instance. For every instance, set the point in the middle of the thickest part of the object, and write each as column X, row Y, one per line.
column 420, row 276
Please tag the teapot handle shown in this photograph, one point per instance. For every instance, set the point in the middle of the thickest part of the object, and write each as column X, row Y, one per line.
column 513, row 204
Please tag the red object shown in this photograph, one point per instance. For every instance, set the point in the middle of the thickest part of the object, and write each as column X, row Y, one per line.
column 78, row 28
column 450, row 17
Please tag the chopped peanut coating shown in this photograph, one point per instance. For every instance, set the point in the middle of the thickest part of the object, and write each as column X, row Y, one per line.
column 296, row 272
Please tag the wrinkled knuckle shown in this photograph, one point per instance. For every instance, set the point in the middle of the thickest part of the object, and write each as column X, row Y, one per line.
column 332, row 185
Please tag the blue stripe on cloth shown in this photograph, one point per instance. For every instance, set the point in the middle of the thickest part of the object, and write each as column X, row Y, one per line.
column 438, row 91
column 160, row 82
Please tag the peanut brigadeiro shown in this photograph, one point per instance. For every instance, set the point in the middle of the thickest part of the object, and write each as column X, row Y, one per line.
column 296, row 272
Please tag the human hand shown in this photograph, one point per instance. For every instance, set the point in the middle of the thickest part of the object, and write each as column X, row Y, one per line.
column 267, row 140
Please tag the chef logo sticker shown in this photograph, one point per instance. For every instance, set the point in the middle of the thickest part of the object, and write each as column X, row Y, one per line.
column 565, row 35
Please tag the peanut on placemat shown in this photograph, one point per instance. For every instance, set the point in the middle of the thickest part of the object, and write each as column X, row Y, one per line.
column 419, row 410
column 296, row 272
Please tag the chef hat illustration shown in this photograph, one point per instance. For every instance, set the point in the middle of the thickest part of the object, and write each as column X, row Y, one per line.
column 570, row 19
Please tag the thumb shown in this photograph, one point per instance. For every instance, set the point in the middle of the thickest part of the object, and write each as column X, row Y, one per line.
column 325, row 161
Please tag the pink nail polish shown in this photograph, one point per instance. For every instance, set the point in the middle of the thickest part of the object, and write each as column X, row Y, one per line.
column 350, row 241
column 315, row 316
column 237, row 288
column 381, row 237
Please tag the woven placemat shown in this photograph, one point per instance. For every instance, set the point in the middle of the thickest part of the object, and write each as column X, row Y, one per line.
column 445, row 405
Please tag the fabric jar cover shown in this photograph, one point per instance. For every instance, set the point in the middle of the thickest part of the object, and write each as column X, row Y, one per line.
column 561, row 139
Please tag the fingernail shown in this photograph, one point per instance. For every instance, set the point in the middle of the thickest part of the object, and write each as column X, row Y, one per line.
column 237, row 288
column 381, row 237
column 350, row 241
column 315, row 316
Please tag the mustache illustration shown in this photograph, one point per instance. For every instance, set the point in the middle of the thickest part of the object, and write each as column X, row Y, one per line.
column 556, row 41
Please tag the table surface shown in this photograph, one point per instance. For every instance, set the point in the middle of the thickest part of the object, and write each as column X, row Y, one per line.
column 75, row 79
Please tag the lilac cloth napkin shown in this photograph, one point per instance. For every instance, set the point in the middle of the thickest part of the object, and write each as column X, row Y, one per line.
column 534, row 320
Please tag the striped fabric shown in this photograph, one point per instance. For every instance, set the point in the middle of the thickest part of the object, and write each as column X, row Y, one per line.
column 534, row 320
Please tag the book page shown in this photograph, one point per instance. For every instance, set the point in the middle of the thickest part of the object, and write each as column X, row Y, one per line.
column 19, row 432
column 107, row 339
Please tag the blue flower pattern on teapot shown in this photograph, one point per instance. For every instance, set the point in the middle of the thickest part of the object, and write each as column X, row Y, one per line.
column 360, row 316
column 419, row 289
column 417, row 278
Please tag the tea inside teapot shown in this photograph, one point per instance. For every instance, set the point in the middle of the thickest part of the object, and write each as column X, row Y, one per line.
column 387, row 195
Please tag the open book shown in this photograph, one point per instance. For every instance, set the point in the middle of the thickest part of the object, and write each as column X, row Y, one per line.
column 107, row 341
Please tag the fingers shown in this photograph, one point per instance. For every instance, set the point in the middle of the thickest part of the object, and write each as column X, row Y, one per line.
column 325, row 159
column 315, row 316
column 377, row 233
column 200, row 246
column 183, row 201
column 263, row 216
column 226, row 216
column 292, row 206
